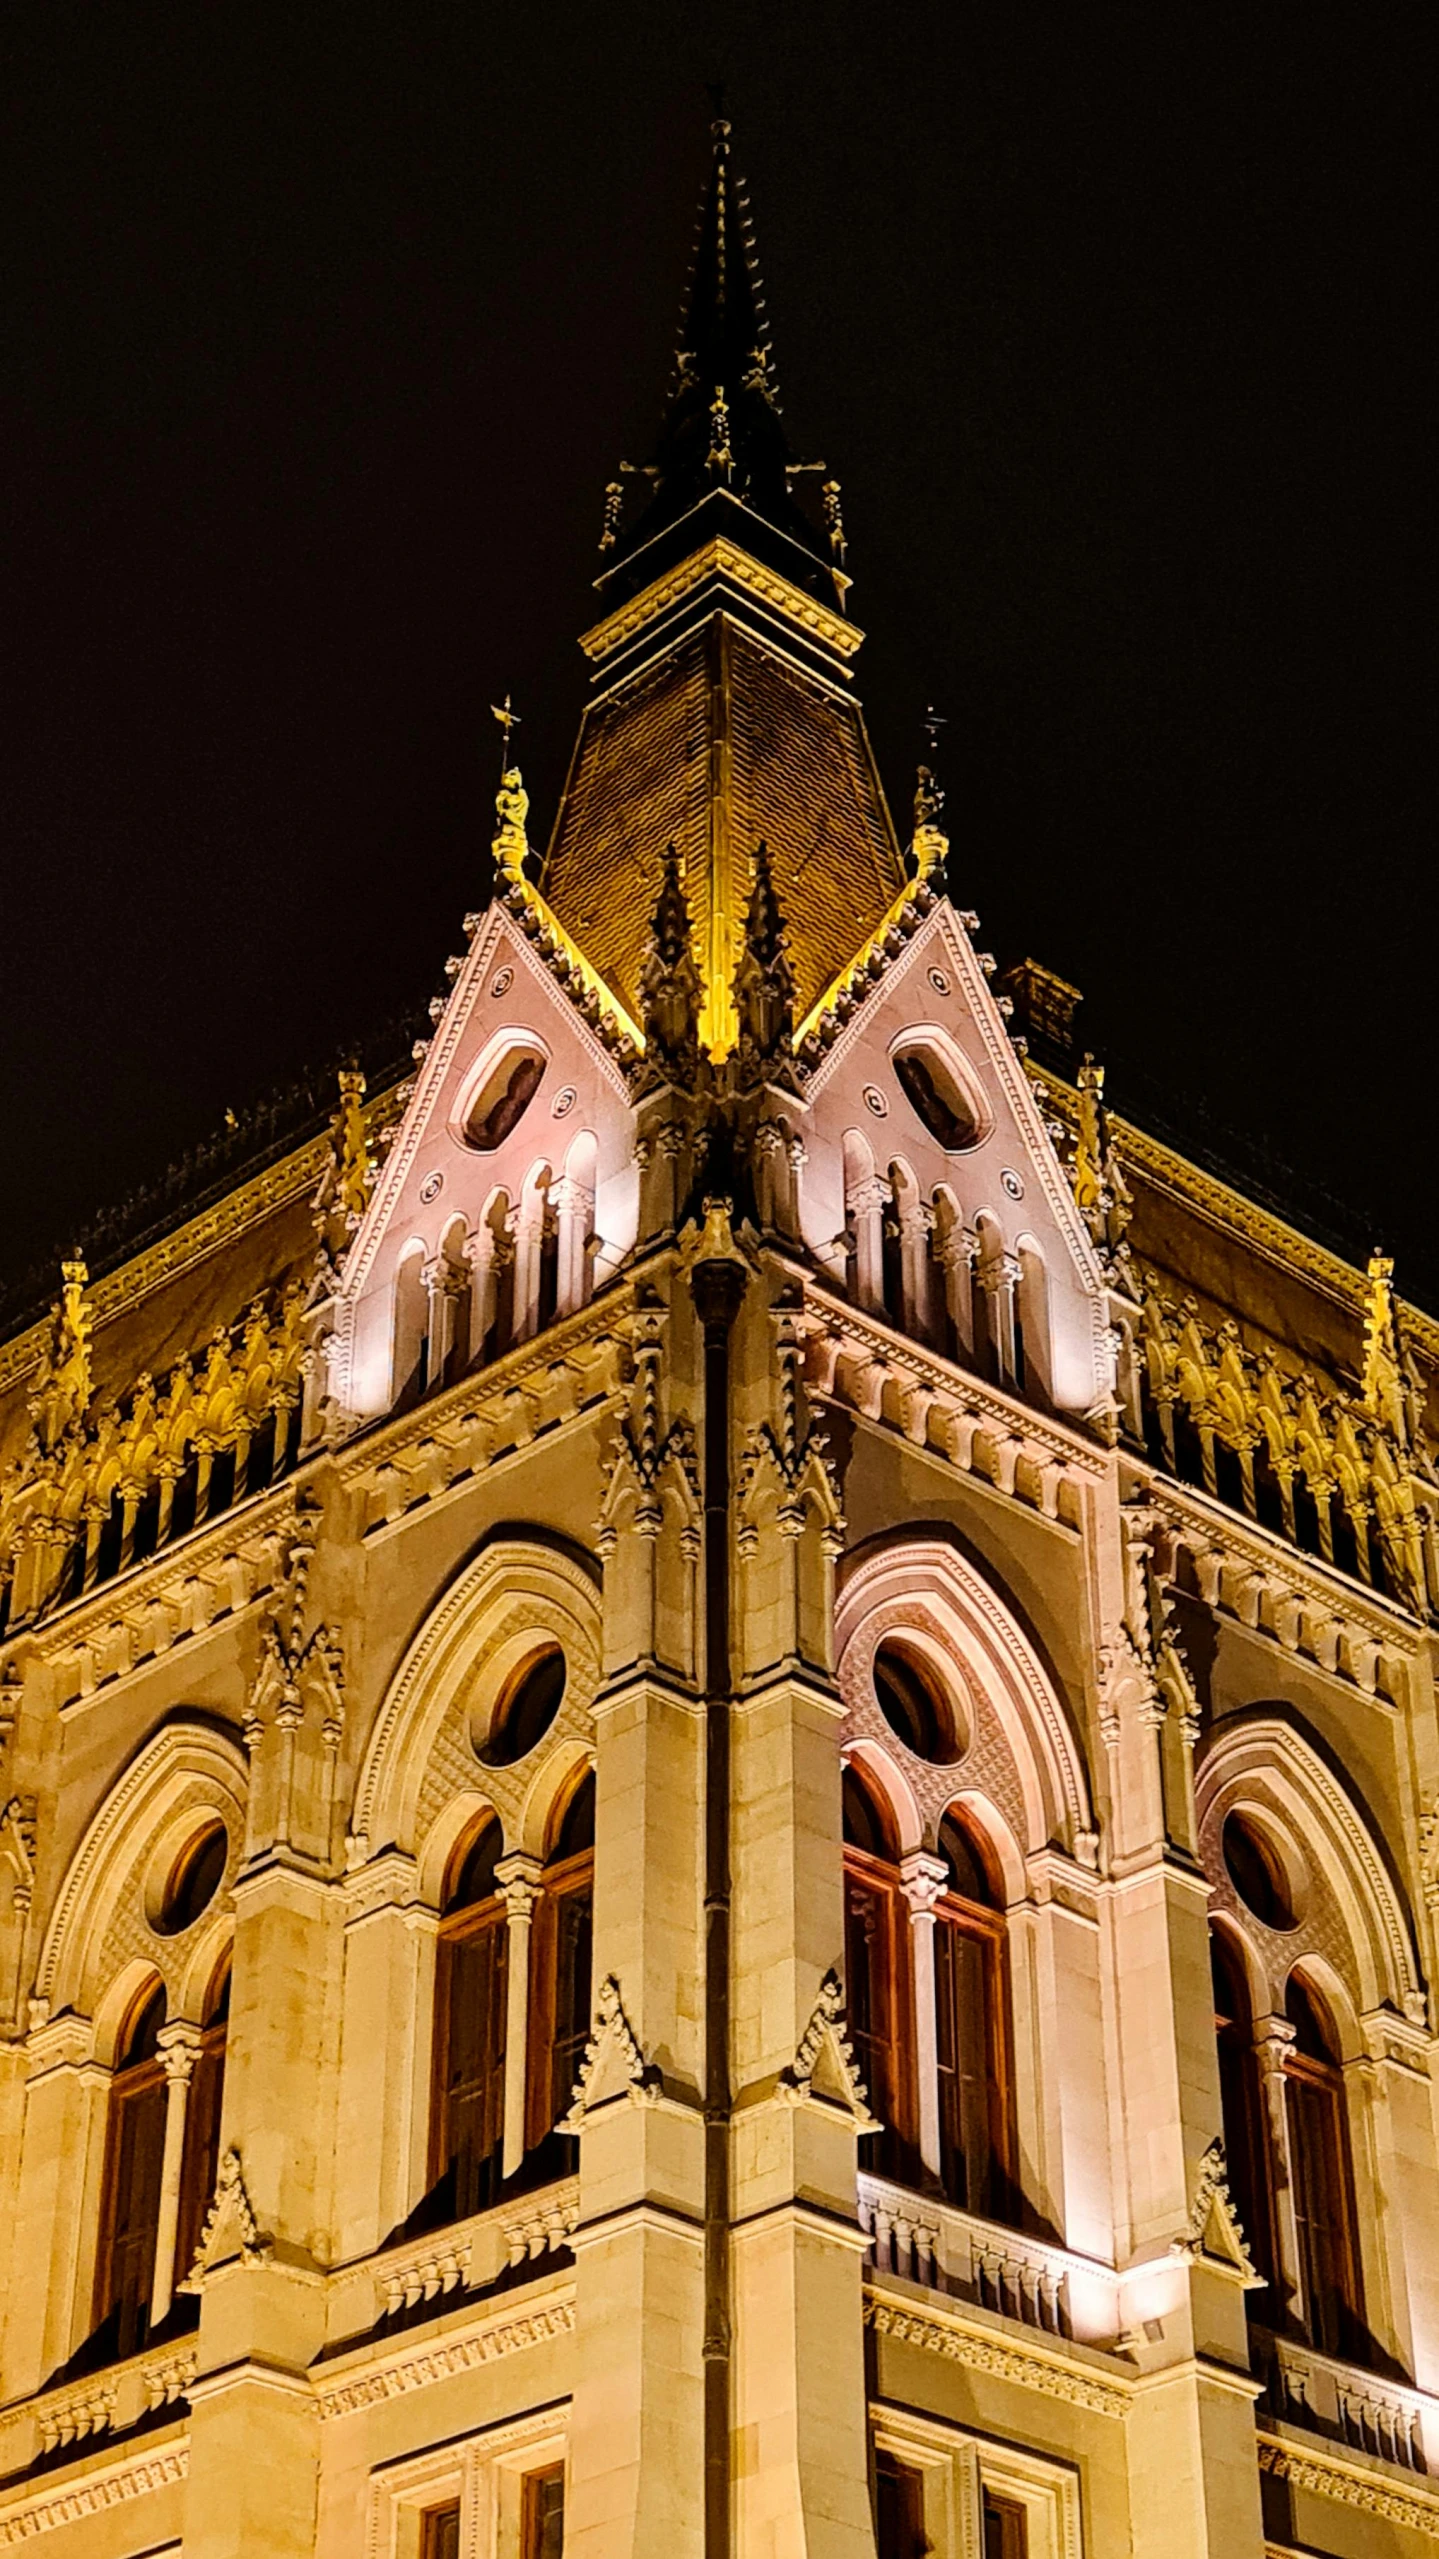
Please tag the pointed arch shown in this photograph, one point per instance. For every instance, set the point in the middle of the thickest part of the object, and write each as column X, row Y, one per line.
column 919, row 1583
column 1264, row 1761
column 516, row 1587
column 186, row 1769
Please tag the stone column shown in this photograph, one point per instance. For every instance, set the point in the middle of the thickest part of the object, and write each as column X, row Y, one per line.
column 446, row 1285
column 57, row 2201
column 922, row 1879
column 865, row 1206
column 179, row 2046
column 915, row 1223
column 999, row 1277
column 954, row 1251
column 519, row 1880
column 575, row 1210
column 1273, row 2043
column 529, row 1247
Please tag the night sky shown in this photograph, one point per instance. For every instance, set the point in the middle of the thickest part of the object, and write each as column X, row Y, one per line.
column 323, row 331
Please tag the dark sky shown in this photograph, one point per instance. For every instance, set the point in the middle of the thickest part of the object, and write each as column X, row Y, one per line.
column 323, row 330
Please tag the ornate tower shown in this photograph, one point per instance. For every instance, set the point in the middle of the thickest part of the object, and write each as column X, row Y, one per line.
column 718, row 1835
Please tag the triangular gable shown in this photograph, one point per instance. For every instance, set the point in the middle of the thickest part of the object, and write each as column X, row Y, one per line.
column 231, row 2230
column 934, row 994
column 1215, row 2234
column 432, row 1182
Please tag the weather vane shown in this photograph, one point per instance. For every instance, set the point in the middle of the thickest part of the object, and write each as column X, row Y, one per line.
column 509, row 719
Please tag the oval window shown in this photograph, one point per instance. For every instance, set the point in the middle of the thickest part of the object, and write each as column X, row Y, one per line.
column 193, row 1881
column 1257, row 1872
column 913, row 1704
column 937, row 1097
column 528, row 1705
column 503, row 1098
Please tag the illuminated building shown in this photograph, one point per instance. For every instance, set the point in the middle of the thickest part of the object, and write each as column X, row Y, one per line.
column 721, row 1820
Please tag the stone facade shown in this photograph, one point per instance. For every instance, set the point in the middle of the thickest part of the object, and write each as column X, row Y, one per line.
column 719, row 1817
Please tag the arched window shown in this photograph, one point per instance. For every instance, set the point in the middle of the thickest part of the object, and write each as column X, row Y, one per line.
column 976, row 2125
column 877, row 1980
column 563, row 1960
column 201, row 2160
column 1246, row 2143
column 471, row 1981
column 412, row 1327
column 134, row 2158
column 1324, row 2211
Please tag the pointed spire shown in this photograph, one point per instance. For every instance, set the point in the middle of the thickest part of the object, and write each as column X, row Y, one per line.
column 764, row 984
column 670, row 987
column 722, row 427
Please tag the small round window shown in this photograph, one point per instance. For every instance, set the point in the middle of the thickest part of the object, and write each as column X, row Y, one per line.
column 503, row 1098
column 193, row 1880
column 937, row 1097
column 1257, row 1873
column 528, row 1705
column 914, row 1705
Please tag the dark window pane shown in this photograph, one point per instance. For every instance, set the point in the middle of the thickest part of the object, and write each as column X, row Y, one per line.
column 573, row 1929
column 542, row 2530
column 898, row 2509
column 526, row 1710
column 201, row 2161
column 471, row 1983
column 440, row 2533
column 1006, row 2528
column 135, row 2149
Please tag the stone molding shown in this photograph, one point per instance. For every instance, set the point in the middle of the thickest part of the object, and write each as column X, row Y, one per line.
column 980, row 2350
column 47, row 2509
column 1207, row 1526
column 1326, row 2475
column 415, row 2371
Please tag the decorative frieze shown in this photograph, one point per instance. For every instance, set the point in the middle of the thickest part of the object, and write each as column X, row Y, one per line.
column 1029, row 2367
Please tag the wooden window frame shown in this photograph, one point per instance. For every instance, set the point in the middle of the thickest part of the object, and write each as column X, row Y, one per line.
column 567, row 1877
column 1326, row 2081
column 532, row 2519
column 989, row 1929
column 432, row 2518
column 897, row 2103
column 474, row 1920
column 128, row 2088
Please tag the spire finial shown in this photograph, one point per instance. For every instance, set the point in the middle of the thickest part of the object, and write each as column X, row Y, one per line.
column 722, row 429
column 764, row 983
column 670, row 986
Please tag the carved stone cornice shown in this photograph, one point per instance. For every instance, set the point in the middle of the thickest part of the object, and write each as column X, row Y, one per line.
column 1042, row 2367
column 963, row 1420
column 572, row 1367
column 46, row 2509
column 1206, row 1525
column 341, row 2394
column 215, row 1571
column 1327, row 2474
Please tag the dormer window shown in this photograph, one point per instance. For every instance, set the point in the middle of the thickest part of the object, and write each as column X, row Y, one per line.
column 503, row 1096
column 939, row 1096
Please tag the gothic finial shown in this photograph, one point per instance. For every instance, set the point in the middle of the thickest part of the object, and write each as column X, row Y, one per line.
column 63, row 1392
column 670, row 985
column 1101, row 1193
column 764, row 981
column 510, row 844
column 1383, row 1376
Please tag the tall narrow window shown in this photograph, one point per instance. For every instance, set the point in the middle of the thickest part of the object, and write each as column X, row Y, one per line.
column 440, row 2532
column 1246, row 2145
column 1006, row 2527
column 542, row 2514
column 201, row 2161
column 877, row 1989
column 899, row 2531
column 971, row 2032
column 563, row 1952
column 467, row 2116
column 1323, row 2179
column 134, row 2155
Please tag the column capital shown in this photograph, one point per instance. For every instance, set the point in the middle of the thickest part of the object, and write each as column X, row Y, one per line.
column 520, row 1879
column 178, row 2045
column 922, row 1878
